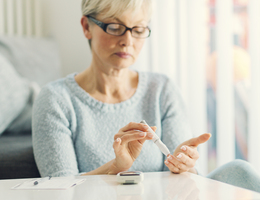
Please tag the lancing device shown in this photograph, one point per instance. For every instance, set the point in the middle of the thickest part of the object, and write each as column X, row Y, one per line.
column 157, row 141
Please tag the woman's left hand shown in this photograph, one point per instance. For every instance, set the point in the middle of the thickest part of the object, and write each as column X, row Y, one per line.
column 185, row 155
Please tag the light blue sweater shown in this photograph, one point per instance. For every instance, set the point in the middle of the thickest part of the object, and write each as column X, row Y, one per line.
column 73, row 132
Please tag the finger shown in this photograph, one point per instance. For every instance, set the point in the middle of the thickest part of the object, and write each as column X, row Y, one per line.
column 134, row 126
column 198, row 140
column 116, row 144
column 186, row 160
column 121, row 134
column 172, row 167
column 192, row 153
column 178, row 163
column 149, row 135
column 132, row 137
column 154, row 128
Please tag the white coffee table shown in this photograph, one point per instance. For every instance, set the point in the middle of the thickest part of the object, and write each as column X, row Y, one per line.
column 156, row 185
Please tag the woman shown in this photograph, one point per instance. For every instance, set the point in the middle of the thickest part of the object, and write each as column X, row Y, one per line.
column 88, row 122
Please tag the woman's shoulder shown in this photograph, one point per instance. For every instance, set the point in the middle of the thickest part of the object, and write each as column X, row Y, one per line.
column 159, row 80
column 56, row 89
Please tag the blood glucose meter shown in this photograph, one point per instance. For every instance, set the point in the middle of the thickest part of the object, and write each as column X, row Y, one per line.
column 130, row 177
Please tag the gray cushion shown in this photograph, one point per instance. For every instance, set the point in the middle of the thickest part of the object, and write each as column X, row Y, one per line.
column 16, row 156
column 36, row 59
column 26, row 64
column 15, row 93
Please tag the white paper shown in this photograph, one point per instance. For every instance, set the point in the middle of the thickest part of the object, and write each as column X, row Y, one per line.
column 52, row 184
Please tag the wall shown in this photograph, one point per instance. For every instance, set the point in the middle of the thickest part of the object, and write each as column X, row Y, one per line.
column 61, row 20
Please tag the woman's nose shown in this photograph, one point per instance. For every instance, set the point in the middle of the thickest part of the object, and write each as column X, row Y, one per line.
column 126, row 39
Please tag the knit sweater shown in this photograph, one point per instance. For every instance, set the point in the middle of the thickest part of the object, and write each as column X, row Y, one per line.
column 74, row 133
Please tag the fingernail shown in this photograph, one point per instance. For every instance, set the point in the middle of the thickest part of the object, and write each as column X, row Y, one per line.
column 145, row 126
column 150, row 135
column 118, row 139
column 141, row 134
column 179, row 156
column 183, row 148
column 166, row 162
column 169, row 157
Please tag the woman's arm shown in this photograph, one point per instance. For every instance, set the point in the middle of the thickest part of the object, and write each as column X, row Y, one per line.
column 52, row 137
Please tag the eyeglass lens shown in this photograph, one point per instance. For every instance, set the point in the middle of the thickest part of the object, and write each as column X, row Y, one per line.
column 118, row 29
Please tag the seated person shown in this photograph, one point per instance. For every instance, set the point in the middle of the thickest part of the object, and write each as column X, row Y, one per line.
column 78, row 119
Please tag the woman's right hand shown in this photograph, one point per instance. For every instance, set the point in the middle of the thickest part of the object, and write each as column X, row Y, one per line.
column 128, row 145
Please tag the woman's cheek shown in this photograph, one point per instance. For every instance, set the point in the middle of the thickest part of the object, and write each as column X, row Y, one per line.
column 138, row 47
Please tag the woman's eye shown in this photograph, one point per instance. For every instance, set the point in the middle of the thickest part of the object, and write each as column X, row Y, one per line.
column 114, row 27
column 139, row 30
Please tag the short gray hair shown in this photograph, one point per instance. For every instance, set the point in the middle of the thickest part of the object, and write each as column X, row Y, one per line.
column 114, row 8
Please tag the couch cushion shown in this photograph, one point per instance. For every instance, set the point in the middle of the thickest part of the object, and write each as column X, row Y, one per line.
column 36, row 59
column 25, row 64
column 15, row 93
column 16, row 156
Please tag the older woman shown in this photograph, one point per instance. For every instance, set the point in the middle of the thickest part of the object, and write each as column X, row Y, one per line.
column 89, row 122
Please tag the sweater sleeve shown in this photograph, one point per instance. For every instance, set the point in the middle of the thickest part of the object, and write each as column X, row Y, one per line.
column 52, row 138
column 175, row 123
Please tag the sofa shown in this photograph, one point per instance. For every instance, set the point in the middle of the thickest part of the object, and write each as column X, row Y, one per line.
column 26, row 65
column 16, row 156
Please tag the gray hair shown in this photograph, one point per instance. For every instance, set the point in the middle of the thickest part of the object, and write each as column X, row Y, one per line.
column 114, row 8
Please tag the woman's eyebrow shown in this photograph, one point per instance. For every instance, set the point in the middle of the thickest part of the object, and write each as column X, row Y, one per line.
column 118, row 20
column 140, row 21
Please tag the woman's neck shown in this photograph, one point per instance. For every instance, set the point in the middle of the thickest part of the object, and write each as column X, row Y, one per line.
column 112, row 86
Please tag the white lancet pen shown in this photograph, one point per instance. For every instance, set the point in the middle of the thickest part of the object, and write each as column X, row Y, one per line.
column 157, row 141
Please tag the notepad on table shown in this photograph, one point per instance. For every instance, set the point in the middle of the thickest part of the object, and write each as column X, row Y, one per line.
column 52, row 184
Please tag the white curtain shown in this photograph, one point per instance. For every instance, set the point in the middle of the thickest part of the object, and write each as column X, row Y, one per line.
column 179, row 48
column 254, row 109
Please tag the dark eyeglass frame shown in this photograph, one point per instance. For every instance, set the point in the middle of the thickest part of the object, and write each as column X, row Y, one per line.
column 104, row 26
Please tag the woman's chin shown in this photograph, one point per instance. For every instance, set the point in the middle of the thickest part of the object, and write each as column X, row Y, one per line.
column 123, row 65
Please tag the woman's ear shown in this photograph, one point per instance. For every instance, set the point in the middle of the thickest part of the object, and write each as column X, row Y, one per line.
column 86, row 27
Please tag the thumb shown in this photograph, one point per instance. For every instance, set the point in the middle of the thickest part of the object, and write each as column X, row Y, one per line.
column 116, row 144
column 198, row 140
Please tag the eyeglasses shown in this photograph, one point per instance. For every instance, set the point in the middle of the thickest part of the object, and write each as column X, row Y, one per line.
column 120, row 29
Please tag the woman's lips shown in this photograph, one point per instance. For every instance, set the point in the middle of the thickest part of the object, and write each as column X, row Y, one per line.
column 123, row 54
